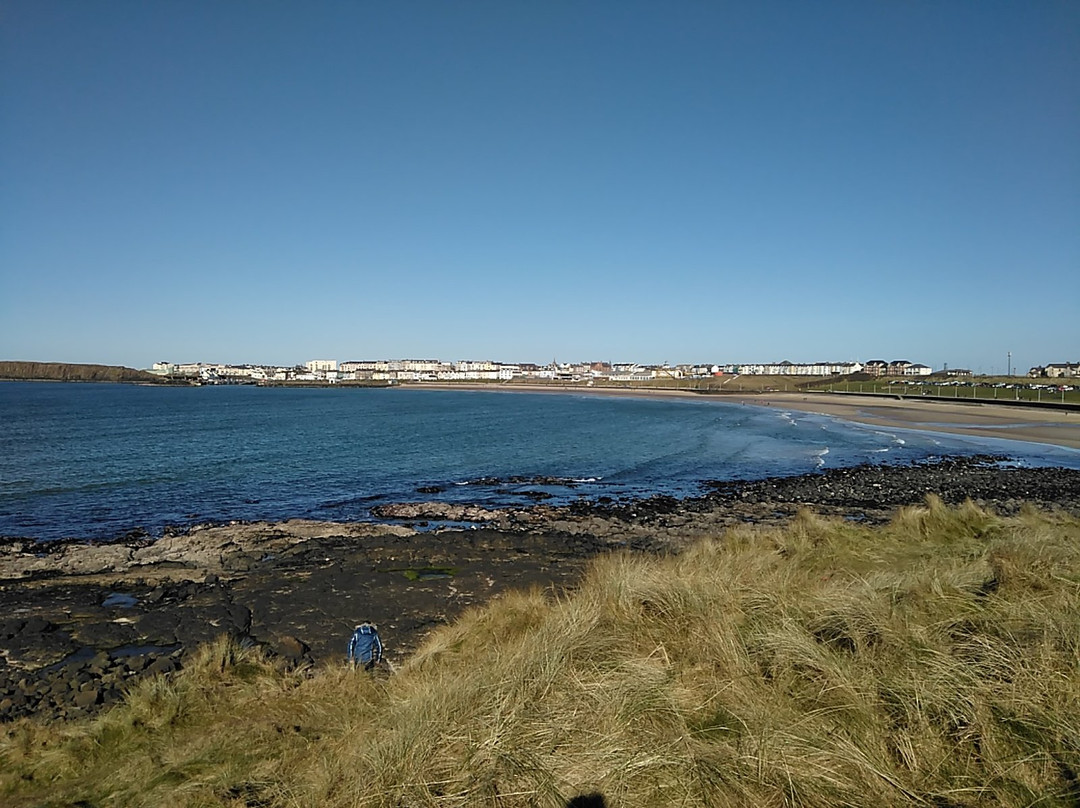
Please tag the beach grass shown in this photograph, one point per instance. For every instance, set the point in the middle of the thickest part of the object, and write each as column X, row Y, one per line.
column 931, row 661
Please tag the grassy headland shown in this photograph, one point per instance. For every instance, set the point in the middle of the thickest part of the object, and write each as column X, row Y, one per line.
column 64, row 372
column 932, row 661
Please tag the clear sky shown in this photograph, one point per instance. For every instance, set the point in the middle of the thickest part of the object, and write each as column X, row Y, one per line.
column 273, row 182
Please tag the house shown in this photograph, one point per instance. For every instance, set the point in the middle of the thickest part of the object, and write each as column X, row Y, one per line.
column 918, row 370
column 876, row 367
column 1059, row 370
column 666, row 372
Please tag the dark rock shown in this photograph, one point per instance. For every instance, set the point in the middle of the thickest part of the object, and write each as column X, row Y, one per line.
column 293, row 649
column 100, row 663
column 105, row 633
column 37, row 625
column 159, row 627
column 161, row 665
column 187, row 589
column 155, row 595
column 885, row 487
column 85, row 699
column 241, row 618
column 136, row 664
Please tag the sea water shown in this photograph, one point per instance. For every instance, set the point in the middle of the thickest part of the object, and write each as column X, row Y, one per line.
column 96, row 461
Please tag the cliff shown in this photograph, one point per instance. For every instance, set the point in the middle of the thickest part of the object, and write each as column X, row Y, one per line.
column 64, row 372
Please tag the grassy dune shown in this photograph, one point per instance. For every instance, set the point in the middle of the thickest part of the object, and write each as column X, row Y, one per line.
column 934, row 661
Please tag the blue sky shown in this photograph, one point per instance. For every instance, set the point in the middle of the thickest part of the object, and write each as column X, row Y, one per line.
column 690, row 181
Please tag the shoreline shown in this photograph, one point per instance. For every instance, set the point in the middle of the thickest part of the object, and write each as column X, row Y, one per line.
column 101, row 615
column 995, row 421
column 1056, row 430
column 1060, row 428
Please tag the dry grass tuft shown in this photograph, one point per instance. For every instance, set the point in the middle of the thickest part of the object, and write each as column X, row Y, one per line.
column 934, row 661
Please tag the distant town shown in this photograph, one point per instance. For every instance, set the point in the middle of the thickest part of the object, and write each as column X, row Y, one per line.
column 330, row 371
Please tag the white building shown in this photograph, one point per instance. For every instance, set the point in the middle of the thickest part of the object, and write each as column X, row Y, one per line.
column 918, row 370
column 1060, row 370
column 795, row 369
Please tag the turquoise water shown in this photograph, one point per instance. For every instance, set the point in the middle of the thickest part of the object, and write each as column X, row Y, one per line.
column 96, row 461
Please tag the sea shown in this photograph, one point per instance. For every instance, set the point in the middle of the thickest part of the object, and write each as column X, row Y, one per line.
column 99, row 461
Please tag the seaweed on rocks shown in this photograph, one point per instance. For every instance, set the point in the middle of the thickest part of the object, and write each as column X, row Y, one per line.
column 981, row 478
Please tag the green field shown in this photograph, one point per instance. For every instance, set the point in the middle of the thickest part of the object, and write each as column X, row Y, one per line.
column 986, row 389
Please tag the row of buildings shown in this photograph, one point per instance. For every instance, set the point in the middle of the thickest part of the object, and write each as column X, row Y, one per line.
column 1056, row 370
column 435, row 370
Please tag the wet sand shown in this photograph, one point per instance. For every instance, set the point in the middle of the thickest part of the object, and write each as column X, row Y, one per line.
column 1000, row 421
column 1055, row 427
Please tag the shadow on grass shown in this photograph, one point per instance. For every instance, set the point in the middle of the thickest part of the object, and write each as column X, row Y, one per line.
column 588, row 801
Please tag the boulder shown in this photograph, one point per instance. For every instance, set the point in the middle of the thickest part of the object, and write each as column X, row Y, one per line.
column 161, row 665
column 241, row 617
column 85, row 699
column 293, row 649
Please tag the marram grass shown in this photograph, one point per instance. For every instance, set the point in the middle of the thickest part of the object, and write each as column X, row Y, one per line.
column 934, row 661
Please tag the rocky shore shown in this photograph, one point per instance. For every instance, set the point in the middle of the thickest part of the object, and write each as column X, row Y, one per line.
column 82, row 621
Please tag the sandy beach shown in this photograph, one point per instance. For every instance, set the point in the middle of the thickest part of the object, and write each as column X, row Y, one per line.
column 1001, row 421
column 1056, row 427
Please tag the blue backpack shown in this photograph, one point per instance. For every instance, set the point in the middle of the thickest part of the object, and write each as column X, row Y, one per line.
column 365, row 647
